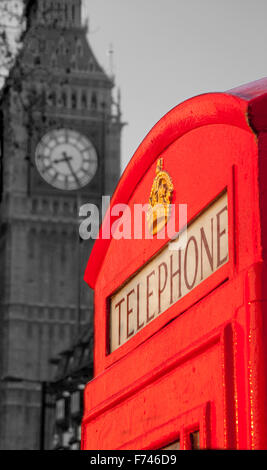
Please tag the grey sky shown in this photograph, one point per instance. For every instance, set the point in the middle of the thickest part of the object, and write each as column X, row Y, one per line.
column 169, row 50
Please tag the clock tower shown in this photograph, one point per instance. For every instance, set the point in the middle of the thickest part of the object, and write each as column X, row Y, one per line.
column 60, row 148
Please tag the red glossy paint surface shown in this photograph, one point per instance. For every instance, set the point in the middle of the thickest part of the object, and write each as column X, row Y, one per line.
column 202, row 363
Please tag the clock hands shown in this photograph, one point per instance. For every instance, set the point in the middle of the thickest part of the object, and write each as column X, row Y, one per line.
column 67, row 159
column 63, row 159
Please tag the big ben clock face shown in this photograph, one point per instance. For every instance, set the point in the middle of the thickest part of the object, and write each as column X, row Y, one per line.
column 66, row 159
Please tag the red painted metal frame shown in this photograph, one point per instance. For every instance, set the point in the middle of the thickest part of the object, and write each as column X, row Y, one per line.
column 202, row 363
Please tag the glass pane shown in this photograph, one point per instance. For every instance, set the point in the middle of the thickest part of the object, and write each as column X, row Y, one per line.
column 173, row 446
column 194, row 440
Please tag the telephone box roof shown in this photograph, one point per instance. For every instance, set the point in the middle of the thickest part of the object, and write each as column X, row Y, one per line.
column 234, row 107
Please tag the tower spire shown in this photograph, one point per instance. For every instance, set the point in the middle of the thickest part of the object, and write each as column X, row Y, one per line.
column 111, row 60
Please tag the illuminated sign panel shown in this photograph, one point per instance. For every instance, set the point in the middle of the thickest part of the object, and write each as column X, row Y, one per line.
column 172, row 274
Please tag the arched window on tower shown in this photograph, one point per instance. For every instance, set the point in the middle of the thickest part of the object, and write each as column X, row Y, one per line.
column 49, row 13
column 54, row 60
column 94, row 101
column 74, row 100
column 36, row 59
column 64, row 100
column 55, row 207
column 31, row 243
column 34, row 13
column 73, row 13
column 59, row 13
column 41, row 12
column 42, row 45
column 79, row 48
column 61, row 46
column 84, row 100
column 52, row 98
column 73, row 62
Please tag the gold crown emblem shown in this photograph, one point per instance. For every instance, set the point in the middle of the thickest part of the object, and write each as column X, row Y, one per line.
column 160, row 199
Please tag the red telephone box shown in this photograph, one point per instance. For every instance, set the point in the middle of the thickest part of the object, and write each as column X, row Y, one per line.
column 180, row 331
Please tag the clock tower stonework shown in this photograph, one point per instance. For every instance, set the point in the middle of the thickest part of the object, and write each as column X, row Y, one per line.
column 60, row 148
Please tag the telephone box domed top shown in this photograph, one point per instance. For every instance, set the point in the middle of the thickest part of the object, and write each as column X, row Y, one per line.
column 241, row 107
